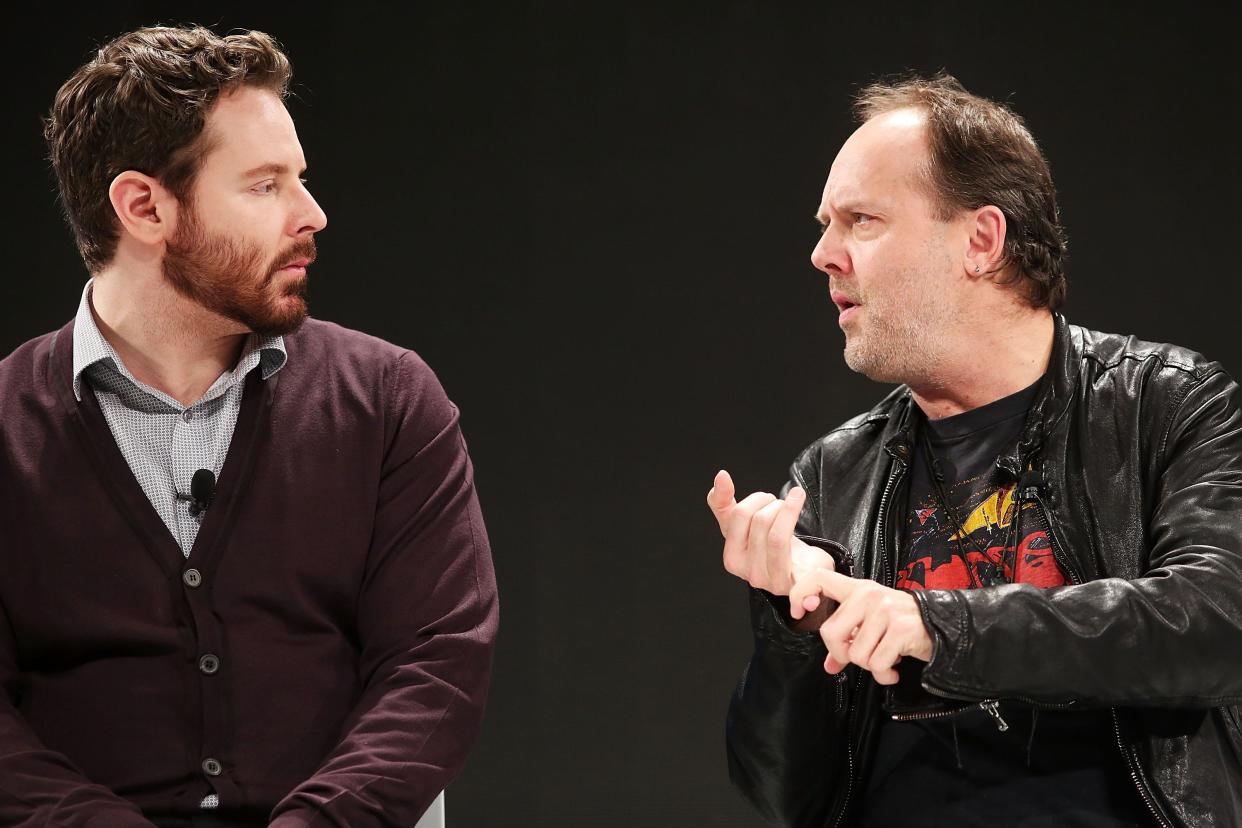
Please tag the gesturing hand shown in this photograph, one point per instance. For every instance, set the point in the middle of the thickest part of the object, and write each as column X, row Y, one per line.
column 873, row 627
column 759, row 544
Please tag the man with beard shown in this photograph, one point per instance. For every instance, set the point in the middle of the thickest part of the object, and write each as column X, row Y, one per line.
column 1011, row 593
column 246, row 579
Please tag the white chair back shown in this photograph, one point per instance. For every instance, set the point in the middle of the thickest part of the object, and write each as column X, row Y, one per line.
column 434, row 818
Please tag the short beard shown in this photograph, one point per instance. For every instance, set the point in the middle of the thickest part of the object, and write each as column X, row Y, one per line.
column 232, row 280
column 904, row 340
column 903, row 353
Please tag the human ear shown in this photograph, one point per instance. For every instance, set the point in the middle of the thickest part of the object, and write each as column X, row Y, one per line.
column 144, row 207
column 985, row 248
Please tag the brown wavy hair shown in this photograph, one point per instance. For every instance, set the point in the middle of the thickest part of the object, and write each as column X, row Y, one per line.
column 141, row 104
column 983, row 154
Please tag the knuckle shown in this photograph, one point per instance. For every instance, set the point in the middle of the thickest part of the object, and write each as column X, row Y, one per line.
column 760, row 524
column 738, row 528
column 833, row 637
column 741, row 513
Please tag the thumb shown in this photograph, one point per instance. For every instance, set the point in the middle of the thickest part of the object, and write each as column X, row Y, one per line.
column 720, row 498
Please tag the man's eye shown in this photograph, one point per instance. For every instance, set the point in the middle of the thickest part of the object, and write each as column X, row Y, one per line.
column 861, row 218
column 265, row 188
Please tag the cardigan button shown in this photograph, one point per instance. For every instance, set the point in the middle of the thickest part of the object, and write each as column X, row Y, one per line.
column 192, row 578
column 212, row 767
column 208, row 664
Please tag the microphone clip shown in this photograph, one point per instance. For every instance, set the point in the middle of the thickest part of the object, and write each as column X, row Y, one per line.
column 202, row 492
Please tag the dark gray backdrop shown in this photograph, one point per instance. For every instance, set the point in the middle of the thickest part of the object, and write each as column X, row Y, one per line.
column 594, row 222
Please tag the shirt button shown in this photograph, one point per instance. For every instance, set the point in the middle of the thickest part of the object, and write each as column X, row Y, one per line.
column 187, row 415
column 208, row 664
column 212, row 767
column 192, row 578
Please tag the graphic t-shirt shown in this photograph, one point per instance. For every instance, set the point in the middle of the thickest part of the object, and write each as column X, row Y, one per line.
column 942, row 762
column 975, row 540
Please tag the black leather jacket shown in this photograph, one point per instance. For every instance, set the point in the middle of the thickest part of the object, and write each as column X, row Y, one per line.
column 1134, row 450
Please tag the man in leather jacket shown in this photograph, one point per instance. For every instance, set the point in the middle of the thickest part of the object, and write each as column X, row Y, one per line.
column 1088, row 604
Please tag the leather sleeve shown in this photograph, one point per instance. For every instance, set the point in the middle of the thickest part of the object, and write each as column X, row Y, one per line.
column 786, row 728
column 1169, row 637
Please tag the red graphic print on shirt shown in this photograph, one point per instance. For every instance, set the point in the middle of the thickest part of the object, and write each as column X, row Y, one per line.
column 986, row 550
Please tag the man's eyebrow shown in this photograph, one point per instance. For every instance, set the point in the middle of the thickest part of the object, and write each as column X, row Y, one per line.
column 847, row 205
column 273, row 168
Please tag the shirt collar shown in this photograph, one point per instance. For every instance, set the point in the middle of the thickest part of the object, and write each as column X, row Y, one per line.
column 90, row 348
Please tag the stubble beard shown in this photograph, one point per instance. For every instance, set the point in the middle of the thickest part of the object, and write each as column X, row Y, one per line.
column 893, row 351
column 900, row 340
column 233, row 280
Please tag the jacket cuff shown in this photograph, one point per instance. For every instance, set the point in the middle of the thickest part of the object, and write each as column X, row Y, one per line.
column 946, row 615
column 769, row 616
column 841, row 558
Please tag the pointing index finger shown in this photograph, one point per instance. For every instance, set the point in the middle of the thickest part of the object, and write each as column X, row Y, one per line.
column 836, row 586
column 808, row 585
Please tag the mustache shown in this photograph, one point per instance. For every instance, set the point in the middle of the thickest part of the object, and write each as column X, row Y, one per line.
column 301, row 249
column 837, row 287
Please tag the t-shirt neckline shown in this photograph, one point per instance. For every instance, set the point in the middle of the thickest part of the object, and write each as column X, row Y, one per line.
column 985, row 416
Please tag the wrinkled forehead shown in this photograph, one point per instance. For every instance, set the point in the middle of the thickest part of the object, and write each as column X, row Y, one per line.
column 884, row 159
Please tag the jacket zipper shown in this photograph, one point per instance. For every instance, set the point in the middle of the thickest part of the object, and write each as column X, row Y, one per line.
column 1032, row 494
column 1131, row 756
column 849, row 755
column 1136, row 775
column 989, row 706
column 882, row 529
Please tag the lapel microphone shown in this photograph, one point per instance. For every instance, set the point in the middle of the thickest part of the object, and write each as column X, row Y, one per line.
column 202, row 490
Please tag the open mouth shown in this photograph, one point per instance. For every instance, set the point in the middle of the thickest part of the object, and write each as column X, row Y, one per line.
column 843, row 303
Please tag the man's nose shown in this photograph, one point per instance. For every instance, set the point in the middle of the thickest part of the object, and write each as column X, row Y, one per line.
column 829, row 255
column 310, row 217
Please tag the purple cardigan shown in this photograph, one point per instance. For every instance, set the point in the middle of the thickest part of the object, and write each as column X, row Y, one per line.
column 341, row 579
